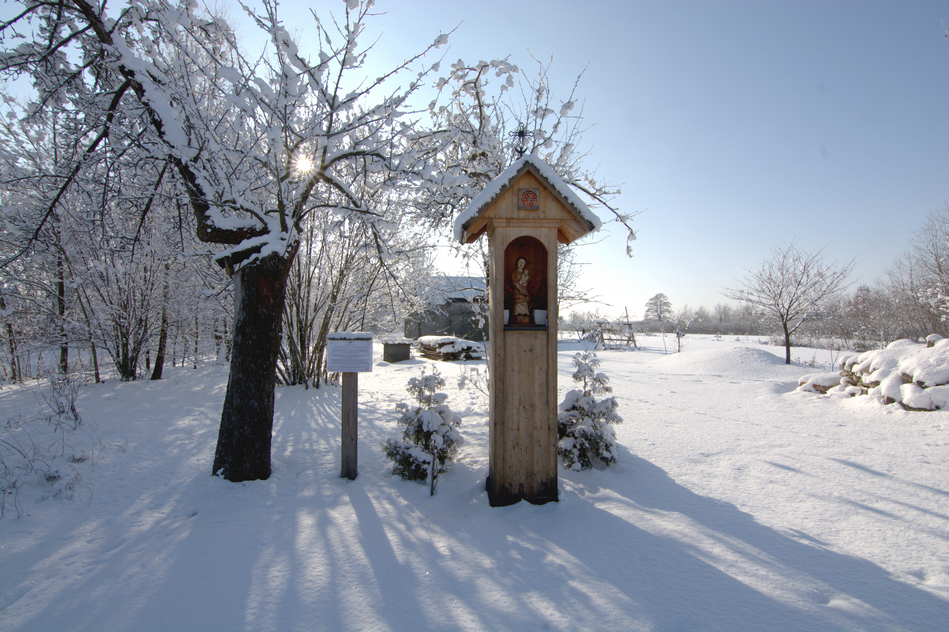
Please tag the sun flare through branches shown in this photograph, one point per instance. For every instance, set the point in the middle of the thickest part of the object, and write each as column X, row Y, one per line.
column 303, row 166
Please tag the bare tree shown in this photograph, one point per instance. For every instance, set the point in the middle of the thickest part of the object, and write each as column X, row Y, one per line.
column 682, row 320
column 723, row 313
column 791, row 287
column 871, row 318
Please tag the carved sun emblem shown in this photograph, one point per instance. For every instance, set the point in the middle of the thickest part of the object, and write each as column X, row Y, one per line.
column 529, row 198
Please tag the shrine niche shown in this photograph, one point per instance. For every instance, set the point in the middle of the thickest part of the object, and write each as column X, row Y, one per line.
column 525, row 212
column 525, row 283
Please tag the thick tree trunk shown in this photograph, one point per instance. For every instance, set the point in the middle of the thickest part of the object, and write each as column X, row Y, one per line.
column 243, row 446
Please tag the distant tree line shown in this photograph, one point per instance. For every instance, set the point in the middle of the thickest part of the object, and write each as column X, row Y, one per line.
column 910, row 301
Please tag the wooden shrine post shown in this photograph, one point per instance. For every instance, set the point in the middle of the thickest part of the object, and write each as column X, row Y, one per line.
column 349, row 354
column 525, row 212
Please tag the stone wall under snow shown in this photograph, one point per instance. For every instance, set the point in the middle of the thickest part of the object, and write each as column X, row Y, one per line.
column 915, row 376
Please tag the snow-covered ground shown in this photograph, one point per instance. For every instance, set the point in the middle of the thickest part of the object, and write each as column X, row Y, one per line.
column 739, row 504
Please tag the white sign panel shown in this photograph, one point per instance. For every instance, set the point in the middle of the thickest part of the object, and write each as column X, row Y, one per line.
column 349, row 353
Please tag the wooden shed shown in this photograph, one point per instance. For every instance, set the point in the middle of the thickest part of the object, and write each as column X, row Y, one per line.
column 525, row 212
column 452, row 307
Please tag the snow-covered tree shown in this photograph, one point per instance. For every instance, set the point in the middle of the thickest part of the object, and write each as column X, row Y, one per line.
column 171, row 114
column 791, row 287
column 586, row 438
column 702, row 314
column 111, row 249
column 682, row 320
column 919, row 279
column 431, row 438
column 257, row 144
column 723, row 313
column 659, row 307
column 870, row 318
column 485, row 116
column 39, row 254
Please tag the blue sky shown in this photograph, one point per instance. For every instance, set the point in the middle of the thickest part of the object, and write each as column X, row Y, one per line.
column 734, row 125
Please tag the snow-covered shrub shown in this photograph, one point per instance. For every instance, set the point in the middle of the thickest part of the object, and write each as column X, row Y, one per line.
column 41, row 450
column 583, row 425
column 431, row 438
column 63, row 391
column 476, row 378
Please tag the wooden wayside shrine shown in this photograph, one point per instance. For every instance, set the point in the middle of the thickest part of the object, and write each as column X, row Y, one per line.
column 525, row 212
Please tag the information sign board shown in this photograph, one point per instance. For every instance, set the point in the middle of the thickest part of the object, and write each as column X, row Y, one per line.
column 349, row 353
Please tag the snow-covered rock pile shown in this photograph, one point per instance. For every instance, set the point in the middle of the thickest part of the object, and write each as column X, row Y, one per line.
column 449, row 348
column 915, row 376
column 819, row 382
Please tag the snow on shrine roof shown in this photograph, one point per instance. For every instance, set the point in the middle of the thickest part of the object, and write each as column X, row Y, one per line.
column 497, row 186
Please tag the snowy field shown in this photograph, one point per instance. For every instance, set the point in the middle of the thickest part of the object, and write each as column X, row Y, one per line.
column 739, row 504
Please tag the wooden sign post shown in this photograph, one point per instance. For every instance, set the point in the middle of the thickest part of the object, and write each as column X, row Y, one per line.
column 349, row 354
column 525, row 212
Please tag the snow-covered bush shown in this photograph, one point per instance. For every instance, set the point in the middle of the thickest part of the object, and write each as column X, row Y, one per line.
column 476, row 378
column 431, row 438
column 40, row 450
column 583, row 426
column 63, row 391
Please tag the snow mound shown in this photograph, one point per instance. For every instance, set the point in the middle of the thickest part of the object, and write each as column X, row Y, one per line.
column 736, row 362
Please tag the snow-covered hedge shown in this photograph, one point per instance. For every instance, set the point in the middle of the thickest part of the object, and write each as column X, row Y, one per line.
column 916, row 376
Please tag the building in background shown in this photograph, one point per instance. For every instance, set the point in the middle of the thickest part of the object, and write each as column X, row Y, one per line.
column 453, row 306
